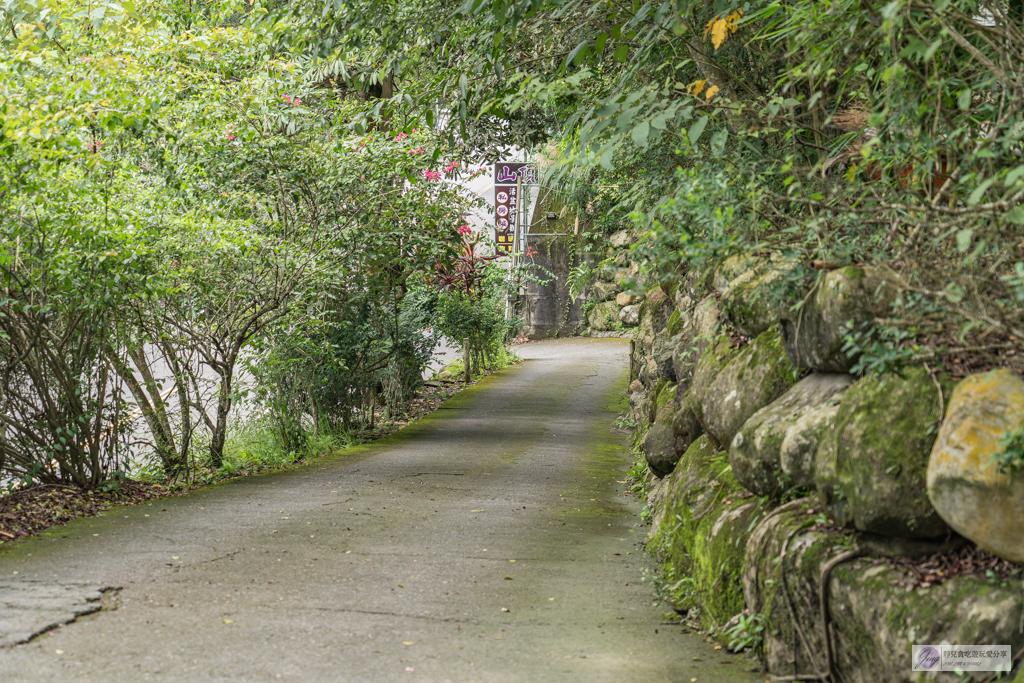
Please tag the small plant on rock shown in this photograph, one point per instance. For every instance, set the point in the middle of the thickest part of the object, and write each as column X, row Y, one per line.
column 1010, row 457
column 746, row 633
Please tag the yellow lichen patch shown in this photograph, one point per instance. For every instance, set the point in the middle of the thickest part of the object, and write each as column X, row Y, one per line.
column 964, row 484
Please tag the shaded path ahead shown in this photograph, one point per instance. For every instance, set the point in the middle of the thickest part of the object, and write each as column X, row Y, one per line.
column 395, row 561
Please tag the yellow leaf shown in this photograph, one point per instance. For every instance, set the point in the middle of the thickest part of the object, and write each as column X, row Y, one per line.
column 707, row 29
column 712, row 91
column 408, row 642
column 696, row 87
column 718, row 32
column 36, row 132
column 229, row 621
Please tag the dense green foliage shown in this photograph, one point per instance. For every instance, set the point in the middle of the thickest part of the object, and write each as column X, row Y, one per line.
column 189, row 222
column 203, row 186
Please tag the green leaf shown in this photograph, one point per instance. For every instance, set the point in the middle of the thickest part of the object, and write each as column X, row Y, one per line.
column 953, row 293
column 578, row 50
column 1016, row 215
column 1013, row 176
column 600, row 42
column 606, row 159
column 622, row 52
column 697, row 129
column 718, row 141
column 964, row 101
column 963, row 240
column 979, row 192
column 640, row 133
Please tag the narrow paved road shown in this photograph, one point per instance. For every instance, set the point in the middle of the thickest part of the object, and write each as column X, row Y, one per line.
column 493, row 541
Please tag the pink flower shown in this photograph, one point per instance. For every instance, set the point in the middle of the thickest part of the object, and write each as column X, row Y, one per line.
column 432, row 175
column 401, row 136
column 231, row 137
column 287, row 98
column 86, row 59
column 297, row 102
column 464, row 230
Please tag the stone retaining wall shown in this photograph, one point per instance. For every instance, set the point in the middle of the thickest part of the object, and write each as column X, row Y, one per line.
column 784, row 487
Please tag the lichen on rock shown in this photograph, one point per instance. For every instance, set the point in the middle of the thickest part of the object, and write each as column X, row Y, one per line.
column 756, row 450
column 873, row 620
column 871, row 464
column 757, row 375
column 814, row 334
column 603, row 316
column 964, row 483
column 660, row 441
column 707, row 517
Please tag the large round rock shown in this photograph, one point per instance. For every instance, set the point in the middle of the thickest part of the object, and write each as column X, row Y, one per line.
column 964, row 483
column 871, row 464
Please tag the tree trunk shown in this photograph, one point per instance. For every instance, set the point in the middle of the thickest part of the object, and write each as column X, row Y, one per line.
column 223, row 408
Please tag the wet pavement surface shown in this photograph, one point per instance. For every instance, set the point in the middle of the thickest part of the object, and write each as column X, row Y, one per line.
column 492, row 541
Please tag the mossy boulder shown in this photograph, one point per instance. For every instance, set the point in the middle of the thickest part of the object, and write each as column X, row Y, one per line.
column 711, row 517
column 660, row 442
column 603, row 316
column 746, row 302
column 800, row 446
column 684, row 360
column 620, row 239
column 627, row 299
column 711, row 362
column 757, row 375
column 813, row 335
column 871, row 464
column 733, row 267
column 661, row 352
column 756, row 450
column 964, row 483
column 604, row 291
column 660, row 306
column 630, row 315
column 873, row 620
column 685, row 426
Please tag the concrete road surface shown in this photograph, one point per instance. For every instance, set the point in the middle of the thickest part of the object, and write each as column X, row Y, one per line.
column 493, row 541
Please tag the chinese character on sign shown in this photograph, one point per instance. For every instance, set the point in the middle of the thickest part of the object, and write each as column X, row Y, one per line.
column 506, row 200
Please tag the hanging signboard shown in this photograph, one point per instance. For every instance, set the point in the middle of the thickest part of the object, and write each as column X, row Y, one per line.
column 506, row 199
